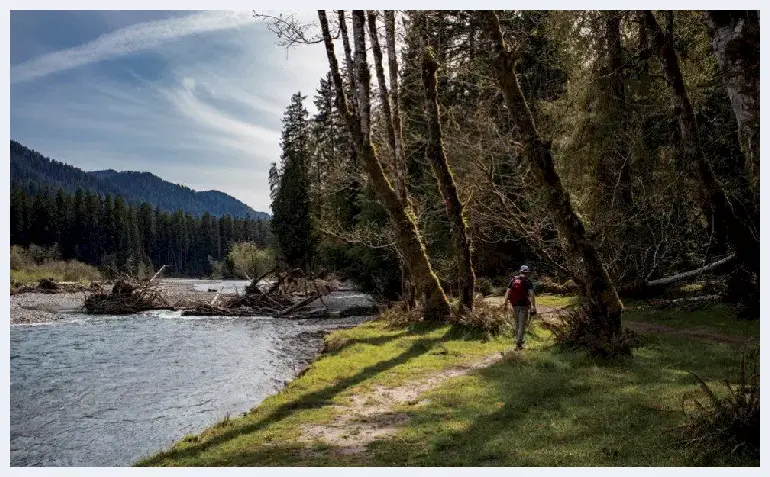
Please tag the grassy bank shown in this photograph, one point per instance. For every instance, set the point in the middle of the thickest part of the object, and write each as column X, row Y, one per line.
column 59, row 271
column 437, row 397
column 36, row 263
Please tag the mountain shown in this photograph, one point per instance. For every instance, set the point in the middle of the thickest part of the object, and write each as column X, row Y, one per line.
column 33, row 171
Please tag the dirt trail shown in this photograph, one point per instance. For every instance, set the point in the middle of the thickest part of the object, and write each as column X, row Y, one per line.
column 369, row 416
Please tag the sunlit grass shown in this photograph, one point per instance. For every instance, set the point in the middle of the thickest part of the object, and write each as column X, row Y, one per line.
column 540, row 407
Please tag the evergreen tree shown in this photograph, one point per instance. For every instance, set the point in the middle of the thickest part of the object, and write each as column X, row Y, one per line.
column 291, row 222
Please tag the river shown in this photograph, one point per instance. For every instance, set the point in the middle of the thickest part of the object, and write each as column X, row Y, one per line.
column 107, row 391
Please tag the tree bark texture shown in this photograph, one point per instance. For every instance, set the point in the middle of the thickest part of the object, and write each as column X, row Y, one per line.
column 408, row 239
column 598, row 287
column 348, row 60
column 454, row 208
column 735, row 41
column 388, row 113
column 390, row 39
column 738, row 230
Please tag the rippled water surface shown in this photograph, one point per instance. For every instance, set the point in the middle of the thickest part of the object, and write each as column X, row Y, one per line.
column 109, row 391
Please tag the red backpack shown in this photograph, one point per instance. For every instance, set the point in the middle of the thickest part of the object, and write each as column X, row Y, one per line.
column 519, row 291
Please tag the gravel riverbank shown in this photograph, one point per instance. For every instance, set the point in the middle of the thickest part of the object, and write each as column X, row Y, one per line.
column 33, row 307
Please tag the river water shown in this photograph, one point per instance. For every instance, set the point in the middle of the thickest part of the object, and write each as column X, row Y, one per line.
column 107, row 391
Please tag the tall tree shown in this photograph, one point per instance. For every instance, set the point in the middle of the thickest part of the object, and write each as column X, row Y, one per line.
column 408, row 239
column 291, row 222
column 596, row 282
column 437, row 157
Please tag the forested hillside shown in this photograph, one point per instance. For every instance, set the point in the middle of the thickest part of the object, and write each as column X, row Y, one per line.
column 33, row 171
column 119, row 237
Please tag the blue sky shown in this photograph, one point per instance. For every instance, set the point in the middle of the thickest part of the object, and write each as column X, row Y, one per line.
column 193, row 97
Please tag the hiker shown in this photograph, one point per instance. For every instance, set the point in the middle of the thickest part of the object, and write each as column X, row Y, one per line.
column 521, row 295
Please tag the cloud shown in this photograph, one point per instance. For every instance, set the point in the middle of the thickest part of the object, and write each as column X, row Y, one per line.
column 202, row 110
column 127, row 40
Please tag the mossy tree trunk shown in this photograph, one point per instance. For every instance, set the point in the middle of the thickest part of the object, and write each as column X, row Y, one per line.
column 738, row 230
column 408, row 239
column 597, row 284
column 735, row 41
column 454, row 208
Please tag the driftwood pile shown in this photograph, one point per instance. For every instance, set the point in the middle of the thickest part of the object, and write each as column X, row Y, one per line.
column 277, row 299
column 126, row 298
column 286, row 297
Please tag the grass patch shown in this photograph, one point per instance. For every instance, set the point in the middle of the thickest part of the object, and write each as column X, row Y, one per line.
column 540, row 407
column 551, row 301
column 718, row 318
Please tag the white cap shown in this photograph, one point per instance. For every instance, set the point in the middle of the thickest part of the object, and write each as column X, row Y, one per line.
column 524, row 268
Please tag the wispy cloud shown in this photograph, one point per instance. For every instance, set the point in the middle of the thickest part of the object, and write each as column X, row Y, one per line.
column 203, row 110
column 127, row 40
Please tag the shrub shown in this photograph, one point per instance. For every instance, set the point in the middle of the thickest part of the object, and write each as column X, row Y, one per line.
column 725, row 425
column 577, row 332
column 484, row 317
column 484, row 286
column 400, row 315
column 71, row 271
column 250, row 259
column 19, row 258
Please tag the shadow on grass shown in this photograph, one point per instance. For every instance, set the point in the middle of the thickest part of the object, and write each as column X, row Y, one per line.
column 557, row 409
column 311, row 400
column 376, row 340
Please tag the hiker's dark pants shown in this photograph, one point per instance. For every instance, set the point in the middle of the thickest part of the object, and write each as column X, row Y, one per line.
column 521, row 316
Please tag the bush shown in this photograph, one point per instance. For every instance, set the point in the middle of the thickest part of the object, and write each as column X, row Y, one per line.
column 400, row 315
column 20, row 258
column 484, row 286
column 729, row 425
column 577, row 332
column 248, row 259
column 485, row 317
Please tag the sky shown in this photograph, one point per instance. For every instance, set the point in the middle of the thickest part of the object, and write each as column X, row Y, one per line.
column 193, row 97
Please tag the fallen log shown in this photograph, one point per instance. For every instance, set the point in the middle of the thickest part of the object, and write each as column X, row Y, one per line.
column 312, row 314
column 646, row 289
column 157, row 274
column 691, row 273
column 299, row 304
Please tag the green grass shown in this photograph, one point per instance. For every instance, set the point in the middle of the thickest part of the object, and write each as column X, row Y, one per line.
column 540, row 300
column 542, row 407
column 717, row 318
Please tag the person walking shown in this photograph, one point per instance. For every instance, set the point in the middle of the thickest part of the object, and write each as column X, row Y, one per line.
column 521, row 296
